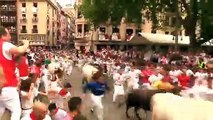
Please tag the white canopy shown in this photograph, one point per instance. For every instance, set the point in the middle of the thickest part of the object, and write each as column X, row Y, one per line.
column 208, row 43
column 162, row 38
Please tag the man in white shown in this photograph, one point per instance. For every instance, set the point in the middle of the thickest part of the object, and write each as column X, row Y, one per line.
column 118, row 84
column 135, row 77
column 9, row 97
column 39, row 112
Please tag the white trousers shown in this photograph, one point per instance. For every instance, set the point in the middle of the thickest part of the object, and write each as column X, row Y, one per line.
column 9, row 99
column 69, row 70
column 26, row 112
column 118, row 90
column 97, row 104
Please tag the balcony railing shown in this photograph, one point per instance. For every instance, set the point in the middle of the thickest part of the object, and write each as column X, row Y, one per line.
column 34, row 30
column 8, row 19
column 35, row 20
column 34, row 10
column 8, row 8
column 23, row 20
column 23, row 10
column 23, row 31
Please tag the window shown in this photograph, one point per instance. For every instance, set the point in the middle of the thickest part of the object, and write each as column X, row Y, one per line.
column 23, row 4
column 23, row 30
column 34, row 27
column 102, row 29
column 129, row 31
column 35, row 15
column 115, row 30
column 166, row 32
column 23, row 27
column 79, row 28
column 24, row 16
column 35, row 4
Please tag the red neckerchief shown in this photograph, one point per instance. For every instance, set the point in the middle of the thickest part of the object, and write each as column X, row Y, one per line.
column 63, row 92
column 32, row 116
column 56, row 110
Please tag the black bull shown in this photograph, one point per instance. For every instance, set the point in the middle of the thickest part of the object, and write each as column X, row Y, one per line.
column 142, row 99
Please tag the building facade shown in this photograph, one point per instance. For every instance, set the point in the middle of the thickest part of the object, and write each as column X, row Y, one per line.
column 8, row 17
column 37, row 22
column 110, row 35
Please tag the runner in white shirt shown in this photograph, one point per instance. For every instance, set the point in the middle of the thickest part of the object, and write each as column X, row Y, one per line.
column 118, row 84
column 57, row 113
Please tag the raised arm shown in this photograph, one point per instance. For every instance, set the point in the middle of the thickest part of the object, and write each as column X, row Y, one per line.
column 20, row 49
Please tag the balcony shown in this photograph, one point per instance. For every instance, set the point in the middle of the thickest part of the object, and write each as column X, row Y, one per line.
column 103, row 37
column 34, row 30
column 23, row 31
column 12, row 29
column 35, row 20
column 34, row 10
column 23, row 10
column 8, row 8
column 8, row 19
column 23, row 20
column 116, row 37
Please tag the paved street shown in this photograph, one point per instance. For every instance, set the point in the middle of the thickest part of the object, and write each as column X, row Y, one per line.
column 111, row 110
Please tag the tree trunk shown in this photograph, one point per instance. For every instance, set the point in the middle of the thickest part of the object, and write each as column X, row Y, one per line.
column 95, row 35
column 190, row 31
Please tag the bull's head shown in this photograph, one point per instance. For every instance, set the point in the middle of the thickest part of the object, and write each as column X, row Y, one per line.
column 92, row 71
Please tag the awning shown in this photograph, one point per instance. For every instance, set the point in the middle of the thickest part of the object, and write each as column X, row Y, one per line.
column 208, row 43
column 149, row 38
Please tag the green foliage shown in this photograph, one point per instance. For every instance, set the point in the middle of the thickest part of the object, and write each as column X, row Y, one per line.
column 95, row 11
column 99, row 11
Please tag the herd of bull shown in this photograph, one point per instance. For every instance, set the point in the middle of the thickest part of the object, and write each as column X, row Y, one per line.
column 163, row 104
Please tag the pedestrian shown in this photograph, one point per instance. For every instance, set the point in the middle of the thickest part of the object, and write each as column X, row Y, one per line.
column 98, row 88
column 118, row 84
column 9, row 97
column 26, row 96
column 57, row 113
column 39, row 112
column 23, row 67
column 75, row 106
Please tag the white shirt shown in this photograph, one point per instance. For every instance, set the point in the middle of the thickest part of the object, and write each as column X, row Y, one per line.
column 200, row 75
column 26, row 103
column 117, row 78
column 189, row 72
column 60, row 115
column 135, row 74
column 154, row 78
column 6, row 50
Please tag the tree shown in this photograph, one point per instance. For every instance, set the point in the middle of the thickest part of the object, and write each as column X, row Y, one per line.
column 187, row 12
column 95, row 11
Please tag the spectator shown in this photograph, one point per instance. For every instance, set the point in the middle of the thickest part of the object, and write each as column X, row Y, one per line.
column 57, row 113
column 9, row 97
column 75, row 105
column 39, row 112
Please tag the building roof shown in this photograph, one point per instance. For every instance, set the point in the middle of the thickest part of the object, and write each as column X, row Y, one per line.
column 148, row 38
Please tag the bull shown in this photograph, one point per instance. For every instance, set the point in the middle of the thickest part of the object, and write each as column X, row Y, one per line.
column 166, row 106
column 141, row 98
column 91, row 72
